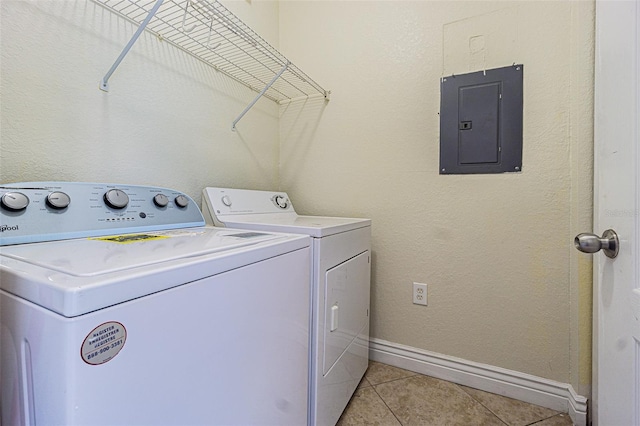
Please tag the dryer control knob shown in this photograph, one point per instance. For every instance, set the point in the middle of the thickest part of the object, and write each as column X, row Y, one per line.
column 226, row 201
column 58, row 200
column 161, row 200
column 281, row 201
column 14, row 201
column 182, row 201
column 116, row 199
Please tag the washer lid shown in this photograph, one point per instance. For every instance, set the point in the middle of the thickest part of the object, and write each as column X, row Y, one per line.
column 314, row 226
column 73, row 277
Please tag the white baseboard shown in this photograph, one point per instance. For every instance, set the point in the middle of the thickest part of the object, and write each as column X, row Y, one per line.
column 513, row 384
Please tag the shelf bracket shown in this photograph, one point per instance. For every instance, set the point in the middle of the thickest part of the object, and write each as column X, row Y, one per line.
column 273, row 80
column 104, row 84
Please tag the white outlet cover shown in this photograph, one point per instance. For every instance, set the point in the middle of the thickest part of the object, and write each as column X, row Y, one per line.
column 420, row 294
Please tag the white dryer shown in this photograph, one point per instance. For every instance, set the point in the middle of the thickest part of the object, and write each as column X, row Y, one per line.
column 341, row 265
column 119, row 307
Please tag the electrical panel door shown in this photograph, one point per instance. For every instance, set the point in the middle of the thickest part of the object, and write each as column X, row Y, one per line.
column 481, row 122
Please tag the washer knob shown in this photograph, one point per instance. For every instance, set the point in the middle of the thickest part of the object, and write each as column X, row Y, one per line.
column 14, row 201
column 58, row 200
column 116, row 199
column 182, row 201
column 281, row 201
column 226, row 201
column 161, row 200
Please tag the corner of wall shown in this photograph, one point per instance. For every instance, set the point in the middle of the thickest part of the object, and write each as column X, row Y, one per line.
column 581, row 218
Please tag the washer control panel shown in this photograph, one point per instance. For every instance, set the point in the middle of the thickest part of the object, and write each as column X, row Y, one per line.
column 46, row 211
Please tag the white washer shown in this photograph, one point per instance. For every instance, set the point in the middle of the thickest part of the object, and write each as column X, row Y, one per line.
column 341, row 257
column 146, row 316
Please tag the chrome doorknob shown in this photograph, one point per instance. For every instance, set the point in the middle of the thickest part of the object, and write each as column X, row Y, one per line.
column 591, row 243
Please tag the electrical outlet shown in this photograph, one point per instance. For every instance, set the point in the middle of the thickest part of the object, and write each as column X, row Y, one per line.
column 420, row 294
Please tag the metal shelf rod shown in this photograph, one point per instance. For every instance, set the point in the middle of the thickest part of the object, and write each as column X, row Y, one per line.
column 104, row 84
column 277, row 76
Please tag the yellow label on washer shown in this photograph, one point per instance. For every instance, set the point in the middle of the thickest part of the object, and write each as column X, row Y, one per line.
column 131, row 238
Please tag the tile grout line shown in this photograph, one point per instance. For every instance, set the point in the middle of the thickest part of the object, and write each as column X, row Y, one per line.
column 459, row 388
column 418, row 374
column 385, row 402
column 395, row 380
column 499, row 418
column 546, row 418
column 480, row 402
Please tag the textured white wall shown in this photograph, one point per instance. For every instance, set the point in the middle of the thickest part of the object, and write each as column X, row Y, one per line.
column 165, row 121
column 506, row 287
column 496, row 250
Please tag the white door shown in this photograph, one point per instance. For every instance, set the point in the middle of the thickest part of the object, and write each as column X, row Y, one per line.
column 616, row 352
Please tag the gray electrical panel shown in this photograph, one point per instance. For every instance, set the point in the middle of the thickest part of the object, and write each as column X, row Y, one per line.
column 481, row 121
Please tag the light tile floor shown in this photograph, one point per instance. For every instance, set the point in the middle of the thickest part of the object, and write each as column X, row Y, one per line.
column 390, row 396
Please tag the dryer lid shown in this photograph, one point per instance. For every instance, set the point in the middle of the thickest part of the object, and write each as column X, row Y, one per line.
column 269, row 211
column 314, row 226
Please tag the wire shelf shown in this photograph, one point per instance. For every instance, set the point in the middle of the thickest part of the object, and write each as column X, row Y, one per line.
column 210, row 32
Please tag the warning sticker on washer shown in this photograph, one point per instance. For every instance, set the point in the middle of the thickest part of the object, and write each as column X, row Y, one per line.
column 103, row 343
column 131, row 238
